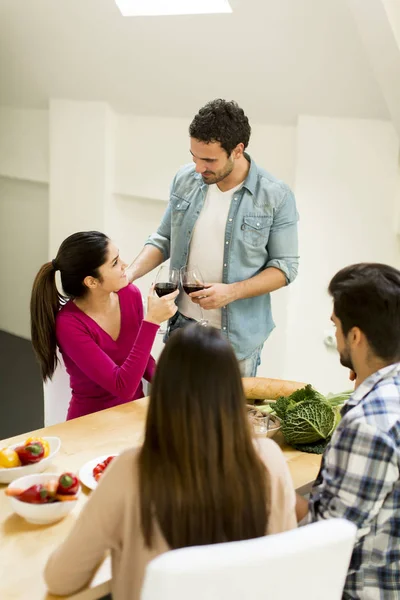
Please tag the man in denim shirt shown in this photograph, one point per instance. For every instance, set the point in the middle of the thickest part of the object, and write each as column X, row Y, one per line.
column 236, row 223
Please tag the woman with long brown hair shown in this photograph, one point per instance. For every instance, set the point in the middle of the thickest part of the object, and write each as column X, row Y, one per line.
column 199, row 477
column 97, row 323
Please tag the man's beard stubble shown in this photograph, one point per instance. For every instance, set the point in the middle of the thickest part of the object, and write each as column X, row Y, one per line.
column 345, row 360
column 217, row 177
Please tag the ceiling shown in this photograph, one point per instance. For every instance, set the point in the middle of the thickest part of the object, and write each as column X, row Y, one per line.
column 277, row 58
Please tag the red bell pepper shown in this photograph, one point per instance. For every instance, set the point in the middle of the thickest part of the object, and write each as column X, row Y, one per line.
column 36, row 494
column 31, row 453
column 101, row 467
column 68, row 483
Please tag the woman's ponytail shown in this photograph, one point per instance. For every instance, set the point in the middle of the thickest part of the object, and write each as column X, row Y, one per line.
column 45, row 304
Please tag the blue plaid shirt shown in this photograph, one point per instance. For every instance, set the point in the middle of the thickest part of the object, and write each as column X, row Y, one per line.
column 359, row 480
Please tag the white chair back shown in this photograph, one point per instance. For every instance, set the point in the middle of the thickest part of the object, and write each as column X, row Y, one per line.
column 308, row 563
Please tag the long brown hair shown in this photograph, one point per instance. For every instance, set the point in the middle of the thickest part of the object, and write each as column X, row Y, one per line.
column 79, row 256
column 200, row 476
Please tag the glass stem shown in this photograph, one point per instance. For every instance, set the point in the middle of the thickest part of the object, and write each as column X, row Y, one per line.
column 201, row 313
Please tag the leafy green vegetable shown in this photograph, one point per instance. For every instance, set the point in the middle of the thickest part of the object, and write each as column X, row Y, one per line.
column 308, row 422
column 306, row 393
column 308, row 418
column 282, row 405
column 267, row 409
column 339, row 399
column 315, row 448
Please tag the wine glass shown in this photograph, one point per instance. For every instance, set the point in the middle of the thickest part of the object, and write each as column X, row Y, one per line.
column 167, row 281
column 192, row 281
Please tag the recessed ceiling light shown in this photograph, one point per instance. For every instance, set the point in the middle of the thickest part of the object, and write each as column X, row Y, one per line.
column 152, row 8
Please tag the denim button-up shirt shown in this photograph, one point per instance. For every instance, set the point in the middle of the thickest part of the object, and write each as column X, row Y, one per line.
column 261, row 232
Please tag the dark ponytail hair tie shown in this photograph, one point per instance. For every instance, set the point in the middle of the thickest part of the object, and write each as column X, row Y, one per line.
column 53, row 262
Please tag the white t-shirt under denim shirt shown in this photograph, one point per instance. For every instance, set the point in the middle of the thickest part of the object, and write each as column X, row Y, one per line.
column 207, row 249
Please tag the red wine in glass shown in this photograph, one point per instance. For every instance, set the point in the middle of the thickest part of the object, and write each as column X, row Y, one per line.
column 163, row 289
column 192, row 287
column 167, row 281
column 192, row 281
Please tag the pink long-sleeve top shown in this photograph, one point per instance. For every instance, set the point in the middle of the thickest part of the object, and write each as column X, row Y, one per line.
column 105, row 372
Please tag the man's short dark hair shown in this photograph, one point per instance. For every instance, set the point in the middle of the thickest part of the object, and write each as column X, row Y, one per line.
column 221, row 121
column 367, row 296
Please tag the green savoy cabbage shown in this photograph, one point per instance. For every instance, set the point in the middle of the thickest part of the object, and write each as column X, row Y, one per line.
column 308, row 418
column 308, row 421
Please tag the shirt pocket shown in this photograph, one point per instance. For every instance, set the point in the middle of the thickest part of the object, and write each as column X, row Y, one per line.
column 256, row 230
column 179, row 207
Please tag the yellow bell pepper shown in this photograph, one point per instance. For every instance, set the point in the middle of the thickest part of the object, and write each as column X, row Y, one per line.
column 44, row 443
column 9, row 459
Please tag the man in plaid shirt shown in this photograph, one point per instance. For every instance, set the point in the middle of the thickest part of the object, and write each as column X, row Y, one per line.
column 359, row 477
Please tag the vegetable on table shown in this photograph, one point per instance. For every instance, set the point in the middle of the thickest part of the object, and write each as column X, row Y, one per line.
column 65, row 497
column 36, row 494
column 308, row 422
column 30, row 453
column 9, row 459
column 101, row 467
column 68, row 484
column 308, row 418
column 44, row 443
column 63, row 489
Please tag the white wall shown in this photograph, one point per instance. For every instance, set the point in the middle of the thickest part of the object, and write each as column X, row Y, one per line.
column 24, row 144
column 148, row 153
column 24, row 213
column 392, row 8
column 24, row 218
column 346, row 182
column 81, row 168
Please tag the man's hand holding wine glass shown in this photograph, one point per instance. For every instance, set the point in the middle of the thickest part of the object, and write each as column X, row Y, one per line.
column 215, row 295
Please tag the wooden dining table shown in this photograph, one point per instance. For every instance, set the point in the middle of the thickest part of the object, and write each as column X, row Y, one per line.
column 25, row 548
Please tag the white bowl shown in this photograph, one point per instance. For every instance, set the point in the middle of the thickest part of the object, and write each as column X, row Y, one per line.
column 39, row 514
column 8, row 475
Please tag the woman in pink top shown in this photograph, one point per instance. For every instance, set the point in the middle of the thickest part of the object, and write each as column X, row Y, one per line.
column 98, row 324
column 199, row 477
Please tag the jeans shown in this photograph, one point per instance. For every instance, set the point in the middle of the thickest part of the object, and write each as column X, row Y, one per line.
column 248, row 366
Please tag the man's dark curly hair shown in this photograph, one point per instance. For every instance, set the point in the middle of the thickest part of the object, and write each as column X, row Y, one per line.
column 221, row 121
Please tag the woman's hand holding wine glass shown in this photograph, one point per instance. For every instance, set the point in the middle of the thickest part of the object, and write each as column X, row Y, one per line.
column 166, row 288
column 160, row 309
